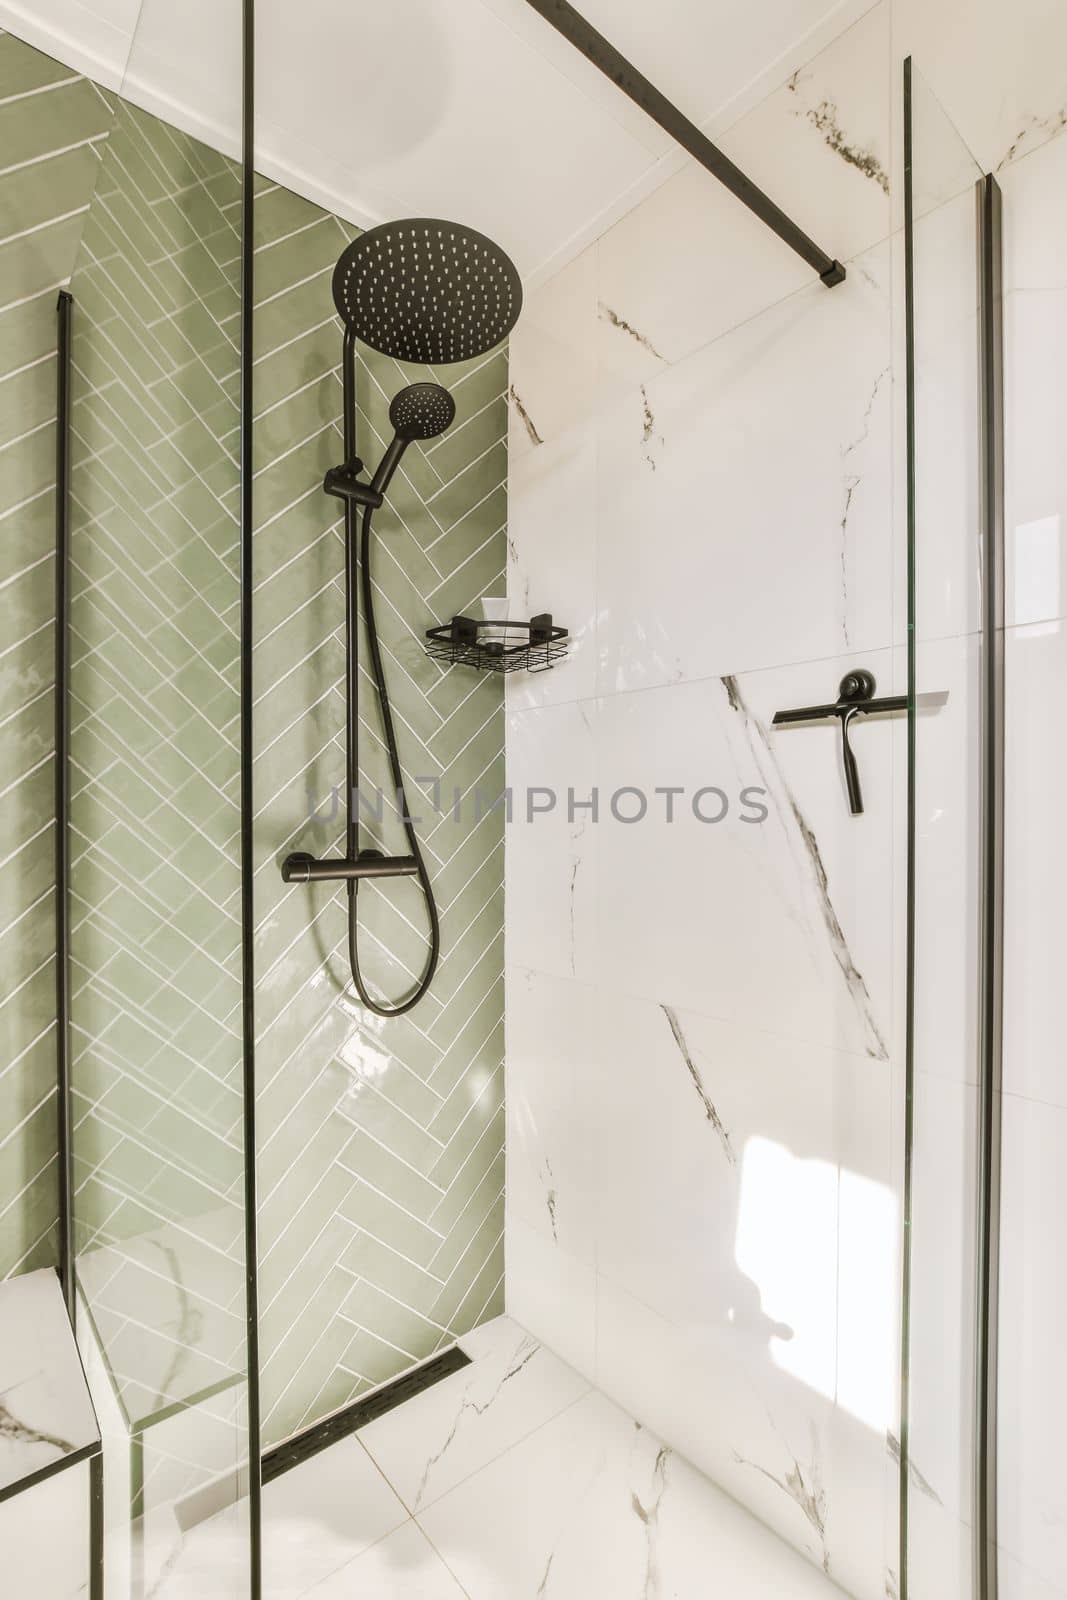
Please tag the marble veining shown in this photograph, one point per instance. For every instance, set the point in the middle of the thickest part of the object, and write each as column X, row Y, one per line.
column 513, row 558
column 555, row 1493
column 45, row 1410
column 576, row 862
column 648, row 1516
column 1035, row 130
column 166, row 1274
column 644, row 1504
column 773, row 780
column 824, row 118
column 851, row 484
column 915, row 1477
column 698, row 1084
column 594, row 1504
column 470, row 1406
column 804, row 1487
column 168, row 1566
column 14, row 1431
column 649, row 437
column 551, row 1197
column 611, row 317
column 188, row 1333
column 524, row 417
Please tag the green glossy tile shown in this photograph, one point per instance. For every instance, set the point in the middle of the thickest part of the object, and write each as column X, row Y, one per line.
column 23, row 69
column 74, row 114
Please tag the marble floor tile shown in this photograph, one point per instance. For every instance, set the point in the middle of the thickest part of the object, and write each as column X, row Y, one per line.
column 317, row 1518
column 45, row 1410
column 402, row 1566
column 593, row 1506
column 1032, row 1517
column 438, row 1439
column 539, row 1486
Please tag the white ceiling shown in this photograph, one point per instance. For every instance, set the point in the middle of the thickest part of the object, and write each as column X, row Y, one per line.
column 473, row 109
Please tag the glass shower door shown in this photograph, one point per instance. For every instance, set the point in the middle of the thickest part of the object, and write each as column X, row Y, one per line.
column 940, row 1429
column 155, row 824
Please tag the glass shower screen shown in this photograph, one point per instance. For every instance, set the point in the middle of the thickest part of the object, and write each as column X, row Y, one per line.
column 944, row 1447
column 155, row 825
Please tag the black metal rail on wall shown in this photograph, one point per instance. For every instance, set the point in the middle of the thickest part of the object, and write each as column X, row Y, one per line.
column 625, row 76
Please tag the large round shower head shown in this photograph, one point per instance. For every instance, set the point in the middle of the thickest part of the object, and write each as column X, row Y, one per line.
column 428, row 291
column 422, row 411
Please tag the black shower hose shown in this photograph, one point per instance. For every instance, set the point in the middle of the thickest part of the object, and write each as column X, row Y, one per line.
column 379, row 1007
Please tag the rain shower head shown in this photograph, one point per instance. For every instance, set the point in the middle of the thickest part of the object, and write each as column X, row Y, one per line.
column 428, row 291
column 421, row 411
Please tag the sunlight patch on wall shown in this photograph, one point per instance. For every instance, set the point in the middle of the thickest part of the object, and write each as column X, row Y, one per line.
column 820, row 1244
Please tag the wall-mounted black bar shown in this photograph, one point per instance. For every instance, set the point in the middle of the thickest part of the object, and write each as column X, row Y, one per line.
column 593, row 45
column 247, row 851
column 991, row 904
column 64, row 1120
column 855, row 698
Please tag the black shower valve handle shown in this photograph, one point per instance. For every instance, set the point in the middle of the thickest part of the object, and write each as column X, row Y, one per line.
column 299, row 867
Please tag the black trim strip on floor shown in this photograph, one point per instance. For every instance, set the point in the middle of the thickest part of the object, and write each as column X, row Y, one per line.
column 338, row 1426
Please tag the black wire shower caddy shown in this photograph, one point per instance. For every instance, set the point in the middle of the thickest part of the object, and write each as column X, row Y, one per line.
column 533, row 646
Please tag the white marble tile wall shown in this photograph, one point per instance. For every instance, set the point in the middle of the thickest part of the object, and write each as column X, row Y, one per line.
column 705, row 1072
column 44, row 1536
column 702, row 1206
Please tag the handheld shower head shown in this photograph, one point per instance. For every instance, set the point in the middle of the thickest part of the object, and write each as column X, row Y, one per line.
column 421, row 411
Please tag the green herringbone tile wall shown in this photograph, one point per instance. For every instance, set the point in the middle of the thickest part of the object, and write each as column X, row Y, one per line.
column 381, row 1142
column 155, row 774
column 52, row 126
